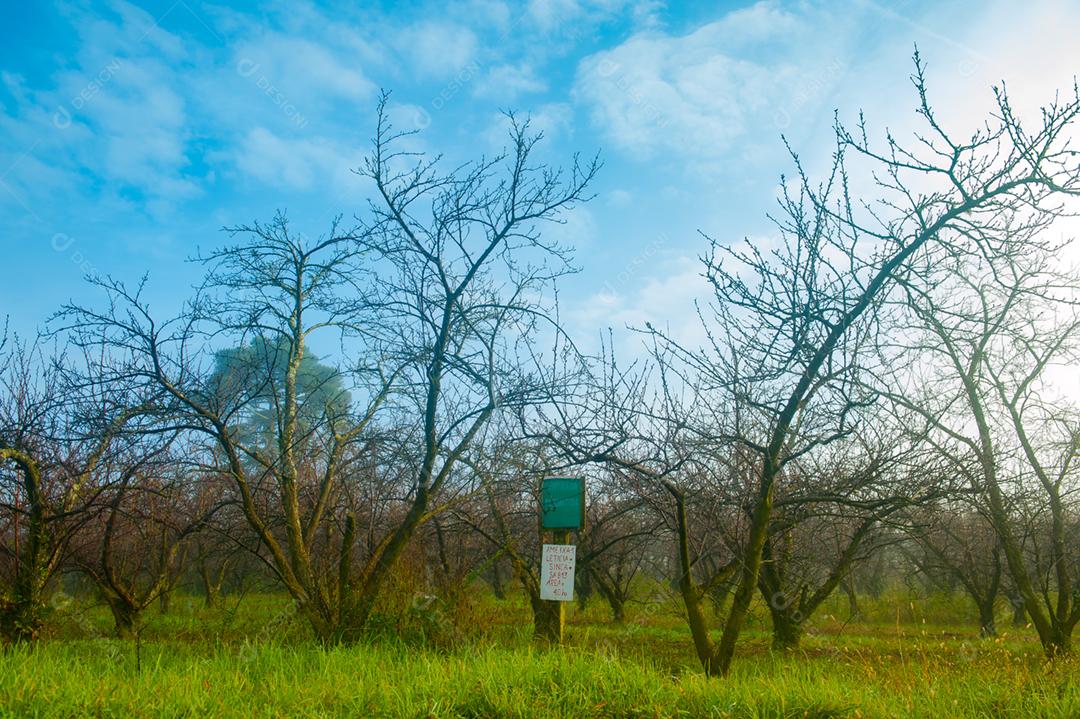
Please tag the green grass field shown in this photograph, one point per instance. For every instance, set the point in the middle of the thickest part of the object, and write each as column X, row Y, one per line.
column 901, row 660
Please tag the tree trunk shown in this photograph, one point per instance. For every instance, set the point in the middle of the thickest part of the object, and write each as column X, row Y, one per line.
column 212, row 596
column 784, row 610
column 615, row 599
column 986, row 619
column 358, row 599
column 125, row 617
column 852, row 599
column 695, row 613
column 212, row 583
column 1061, row 644
column 584, row 582
column 1019, row 617
column 1053, row 641
column 547, row 620
column 497, row 580
column 750, row 567
column 445, row 569
column 618, row 609
column 786, row 627
column 21, row 618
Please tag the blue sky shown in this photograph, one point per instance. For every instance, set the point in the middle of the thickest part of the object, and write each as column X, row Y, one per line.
column 130, row 133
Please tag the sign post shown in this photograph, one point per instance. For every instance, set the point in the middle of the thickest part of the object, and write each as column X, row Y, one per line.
column 562, row 503
column 562, row 509
column 557, row 572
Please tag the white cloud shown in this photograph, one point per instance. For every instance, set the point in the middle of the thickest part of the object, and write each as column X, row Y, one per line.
column 316, row 164
column 554, row 120
column 619, row 197
column 578, row 230
column 551, row 13
column 289, row 163
column 307, row 72
column 436, row 49
column 1034, row 51
column 409, row 117
column 505, row 83
column 718, row 97
column 574, row 15
column 141, row 123
column 116, row 112
column 697, row 94
column 649, row 288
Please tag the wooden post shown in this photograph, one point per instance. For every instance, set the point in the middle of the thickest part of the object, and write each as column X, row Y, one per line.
column 562, row 509
column 558, row 609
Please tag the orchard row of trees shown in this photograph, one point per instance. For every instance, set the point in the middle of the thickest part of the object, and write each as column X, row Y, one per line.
column 878, row 391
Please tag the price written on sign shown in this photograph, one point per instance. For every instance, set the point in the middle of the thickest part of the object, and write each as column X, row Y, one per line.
column 557, row 563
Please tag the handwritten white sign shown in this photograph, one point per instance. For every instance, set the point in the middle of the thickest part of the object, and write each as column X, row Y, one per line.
column 557, row 572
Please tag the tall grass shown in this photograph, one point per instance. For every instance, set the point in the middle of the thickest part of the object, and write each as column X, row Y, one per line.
column 199, row 663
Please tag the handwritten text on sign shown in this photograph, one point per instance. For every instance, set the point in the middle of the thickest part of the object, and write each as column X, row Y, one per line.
column 557, row 572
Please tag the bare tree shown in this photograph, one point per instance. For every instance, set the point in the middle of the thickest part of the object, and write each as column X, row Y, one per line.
column 54, row 437
column 463, row 271
column 276, row 286
column 832, row 512
column 790, row 328
column 136, row 547
column 988, row 320
column 436, row 297
column 957, row 544
column 614, row 546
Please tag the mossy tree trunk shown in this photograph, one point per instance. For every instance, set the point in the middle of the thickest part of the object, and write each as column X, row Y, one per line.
column 612, row 592
column 126, row 617
column 23, row 612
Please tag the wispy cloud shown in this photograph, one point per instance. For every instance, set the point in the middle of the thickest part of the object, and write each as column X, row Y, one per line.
column 699, row 94
column 167, row 126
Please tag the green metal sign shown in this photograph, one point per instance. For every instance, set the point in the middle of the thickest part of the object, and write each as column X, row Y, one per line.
column 562, row 503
